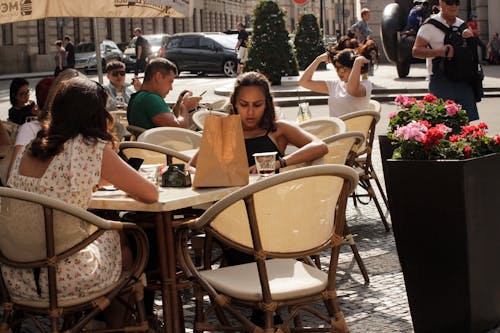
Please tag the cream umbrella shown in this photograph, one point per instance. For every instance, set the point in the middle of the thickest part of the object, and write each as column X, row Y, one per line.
column 25, row 10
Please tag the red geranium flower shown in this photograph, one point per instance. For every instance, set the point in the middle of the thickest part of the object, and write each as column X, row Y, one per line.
column 430, row 98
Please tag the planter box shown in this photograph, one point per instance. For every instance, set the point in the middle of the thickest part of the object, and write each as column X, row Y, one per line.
column 446, row 223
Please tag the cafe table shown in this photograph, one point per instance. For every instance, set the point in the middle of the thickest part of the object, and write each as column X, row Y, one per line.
column 170, row 199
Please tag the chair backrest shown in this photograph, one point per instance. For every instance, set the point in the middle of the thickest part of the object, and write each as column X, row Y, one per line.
column 35, row 227
column 364, row 122
column 342, row 147
column 287, row 214
column 12, row 129
column 172, row 137
column 374, row 106
column 323, row 127
column 199, row 116
column 135, row 131
column 151, row 153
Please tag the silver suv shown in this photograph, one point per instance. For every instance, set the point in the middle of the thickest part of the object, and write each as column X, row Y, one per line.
column 85, row 55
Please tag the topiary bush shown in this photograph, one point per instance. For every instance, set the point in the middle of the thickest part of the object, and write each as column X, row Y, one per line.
column 308, row 41
column 270, row 52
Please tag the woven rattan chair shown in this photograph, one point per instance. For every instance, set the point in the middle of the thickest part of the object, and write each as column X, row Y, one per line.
column 290, row 215
column 323, row 127
column 199, row 116
column 365, row 122
column 135, row 131
column 172, row 137
column 342, row 149
column 32, row 238
column 151, row 153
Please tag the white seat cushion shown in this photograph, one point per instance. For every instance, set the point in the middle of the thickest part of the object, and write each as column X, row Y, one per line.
column 288, row 278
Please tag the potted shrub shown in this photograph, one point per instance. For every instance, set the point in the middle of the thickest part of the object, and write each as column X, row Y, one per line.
column 442, row 190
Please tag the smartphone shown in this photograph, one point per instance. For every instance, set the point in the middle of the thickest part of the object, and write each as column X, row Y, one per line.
column 135, row 162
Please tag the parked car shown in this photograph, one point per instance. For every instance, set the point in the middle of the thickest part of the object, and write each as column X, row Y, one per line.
column 203, row 53
column 157, row 42
column 85, row 55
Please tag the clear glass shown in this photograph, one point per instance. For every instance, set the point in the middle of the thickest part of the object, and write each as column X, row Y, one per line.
column 304, row 112
column 265, row 163
column 120, row 102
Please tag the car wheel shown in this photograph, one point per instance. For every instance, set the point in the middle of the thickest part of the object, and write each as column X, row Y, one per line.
column 230, row 68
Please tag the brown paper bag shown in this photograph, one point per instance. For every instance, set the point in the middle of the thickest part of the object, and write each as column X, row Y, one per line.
column 222, row 158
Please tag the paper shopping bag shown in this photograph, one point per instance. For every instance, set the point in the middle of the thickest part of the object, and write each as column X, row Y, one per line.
column 222, row 157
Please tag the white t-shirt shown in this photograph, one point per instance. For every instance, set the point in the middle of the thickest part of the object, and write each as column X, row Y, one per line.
column 27, row 132
column 435, row 36
column 340, row 102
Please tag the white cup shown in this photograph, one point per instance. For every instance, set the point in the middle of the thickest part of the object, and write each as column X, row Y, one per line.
column 265, row 163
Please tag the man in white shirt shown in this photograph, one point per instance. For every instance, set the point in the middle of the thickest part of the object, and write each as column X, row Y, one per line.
column 429, row 44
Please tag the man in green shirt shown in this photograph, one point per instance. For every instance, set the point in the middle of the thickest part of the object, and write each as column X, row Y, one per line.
column 147, row 107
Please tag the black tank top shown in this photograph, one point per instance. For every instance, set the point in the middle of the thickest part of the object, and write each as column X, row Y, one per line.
column 259, row 144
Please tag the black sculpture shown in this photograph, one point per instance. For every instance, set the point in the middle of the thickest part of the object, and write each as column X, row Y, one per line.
column 396, row 42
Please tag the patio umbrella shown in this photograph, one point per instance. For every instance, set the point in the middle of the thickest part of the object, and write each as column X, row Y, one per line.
column 25, row 10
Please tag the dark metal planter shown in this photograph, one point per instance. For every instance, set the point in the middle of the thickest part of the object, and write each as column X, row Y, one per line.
column 446, row 222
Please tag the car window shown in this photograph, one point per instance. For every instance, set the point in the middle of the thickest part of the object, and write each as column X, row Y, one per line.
column 189, row 43
column 85, row 47
column 174, row 43
column 226, row 41
column 207, row 43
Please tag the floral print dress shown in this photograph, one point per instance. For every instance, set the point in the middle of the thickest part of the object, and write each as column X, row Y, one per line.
column 70, row 177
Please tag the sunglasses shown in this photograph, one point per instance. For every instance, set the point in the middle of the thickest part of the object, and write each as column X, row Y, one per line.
column 116, row 73
column 452, row 2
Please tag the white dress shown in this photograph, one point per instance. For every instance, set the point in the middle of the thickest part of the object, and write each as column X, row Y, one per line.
column 340, row 102
column 70, row 177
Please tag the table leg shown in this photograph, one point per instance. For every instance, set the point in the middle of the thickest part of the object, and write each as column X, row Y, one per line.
column 171, row 260
column 166, row 285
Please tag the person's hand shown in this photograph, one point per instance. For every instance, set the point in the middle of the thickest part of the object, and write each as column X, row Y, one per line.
column 361, row 60
column 323, row 57
column 189, row 101
column 252, row 169
column 136, row 83
column 467, row 33
column 447, row 51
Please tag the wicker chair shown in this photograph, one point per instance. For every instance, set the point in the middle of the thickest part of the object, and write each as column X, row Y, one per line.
column 135, row 131
column 323, row 127
column 199, row 116
column 172, row 137
column 31, row 239
column 291, row 215
column 365, row 122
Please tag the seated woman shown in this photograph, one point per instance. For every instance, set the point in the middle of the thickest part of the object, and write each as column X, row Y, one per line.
column 73, row 152
column 351, row 91
column 119, row 91
column 252, row 100
column 22, row 106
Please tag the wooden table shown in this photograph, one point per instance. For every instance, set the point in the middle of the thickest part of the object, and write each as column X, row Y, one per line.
column 170, row 199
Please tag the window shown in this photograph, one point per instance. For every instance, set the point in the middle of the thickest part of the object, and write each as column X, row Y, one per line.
column 207, row 44
column 189, row 43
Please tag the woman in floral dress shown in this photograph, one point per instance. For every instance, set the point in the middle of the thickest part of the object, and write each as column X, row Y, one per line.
column 73, row 152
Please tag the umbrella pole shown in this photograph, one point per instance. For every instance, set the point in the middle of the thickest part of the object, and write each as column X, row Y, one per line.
column 97, row 51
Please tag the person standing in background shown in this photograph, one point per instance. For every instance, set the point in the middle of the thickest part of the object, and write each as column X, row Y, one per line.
column 361, row 28
column 70, row 52
column 140, row 51
column 241, row 46
column 60, row 57
column 474, row 27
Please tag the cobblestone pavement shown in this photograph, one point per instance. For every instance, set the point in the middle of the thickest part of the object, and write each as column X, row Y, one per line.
column 381, row 306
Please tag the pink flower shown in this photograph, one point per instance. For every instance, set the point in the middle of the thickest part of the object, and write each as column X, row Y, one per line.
column 392, row 115
column 443, row 128
column 451, row 109
column 400, row 99
column 413, row 130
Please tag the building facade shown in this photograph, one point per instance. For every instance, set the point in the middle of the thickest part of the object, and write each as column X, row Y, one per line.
column 28, row 46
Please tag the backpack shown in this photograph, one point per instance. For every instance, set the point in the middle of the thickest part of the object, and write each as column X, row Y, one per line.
column 465, row 59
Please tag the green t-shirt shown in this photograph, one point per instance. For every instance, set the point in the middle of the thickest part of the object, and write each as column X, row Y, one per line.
column 143, row 106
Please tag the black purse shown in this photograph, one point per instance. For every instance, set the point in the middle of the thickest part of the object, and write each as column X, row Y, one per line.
column 175, row 176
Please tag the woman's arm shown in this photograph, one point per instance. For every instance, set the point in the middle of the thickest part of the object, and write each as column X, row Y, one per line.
column 310, row 147
column 354, row 88
column 306, row 80
column 124, row 177
column 59, row 60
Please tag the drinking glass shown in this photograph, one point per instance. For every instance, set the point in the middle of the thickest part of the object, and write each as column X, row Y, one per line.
column 304, row 112
column 265, row 163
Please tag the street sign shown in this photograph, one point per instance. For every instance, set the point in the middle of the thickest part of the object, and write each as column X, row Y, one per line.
column 301, row 2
